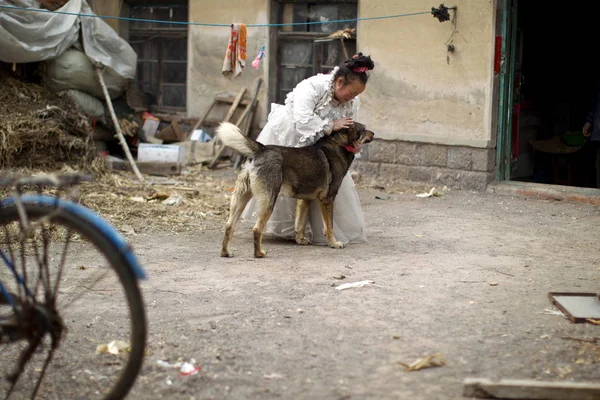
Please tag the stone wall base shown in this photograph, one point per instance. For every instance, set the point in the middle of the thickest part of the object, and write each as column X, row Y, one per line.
column 452, row 166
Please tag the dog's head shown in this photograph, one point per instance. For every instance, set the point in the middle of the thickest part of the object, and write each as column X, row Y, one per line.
column 357, row 133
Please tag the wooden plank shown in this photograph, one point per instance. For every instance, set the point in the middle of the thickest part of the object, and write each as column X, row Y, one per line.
column 150, row 168
column 211, row 122
column 238, row 157
column 253, row 106
column 230, row 100
column 235, row 104
column 241, row 118
column 216, row 101
column 248, row 123
column 577, row 306
column 215, row 161
column 346, row 57
column 201, row 120
column 529, row 389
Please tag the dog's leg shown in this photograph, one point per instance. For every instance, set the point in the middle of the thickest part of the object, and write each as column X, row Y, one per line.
column 263, row 216
column 327, row 213
column 240, row 197
column 300, row 223
column 266, row 196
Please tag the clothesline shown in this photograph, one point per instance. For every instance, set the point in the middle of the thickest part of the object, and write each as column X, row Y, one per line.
column 158, row 21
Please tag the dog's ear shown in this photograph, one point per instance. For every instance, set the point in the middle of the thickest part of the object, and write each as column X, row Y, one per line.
column 358, row 126
column 353, row 132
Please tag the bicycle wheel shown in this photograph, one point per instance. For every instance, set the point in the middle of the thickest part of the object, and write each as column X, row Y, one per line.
column 80, row 318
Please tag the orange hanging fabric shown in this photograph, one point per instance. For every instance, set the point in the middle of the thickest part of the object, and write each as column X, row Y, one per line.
column 235, row 57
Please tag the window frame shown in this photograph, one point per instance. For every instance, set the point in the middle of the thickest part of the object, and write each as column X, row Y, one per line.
column 160, row 34
column 277, row 37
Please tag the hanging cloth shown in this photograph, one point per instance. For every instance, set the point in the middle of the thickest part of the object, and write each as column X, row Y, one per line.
column 235, row 56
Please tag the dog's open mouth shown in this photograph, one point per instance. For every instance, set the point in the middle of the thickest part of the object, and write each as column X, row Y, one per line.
column 365, row 136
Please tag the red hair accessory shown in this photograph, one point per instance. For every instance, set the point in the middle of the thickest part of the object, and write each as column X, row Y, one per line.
column 360, row 69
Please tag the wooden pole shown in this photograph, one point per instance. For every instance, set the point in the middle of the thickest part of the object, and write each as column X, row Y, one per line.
column 99, row 72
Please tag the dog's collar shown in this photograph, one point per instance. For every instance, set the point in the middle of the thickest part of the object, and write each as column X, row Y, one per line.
column 351, row 149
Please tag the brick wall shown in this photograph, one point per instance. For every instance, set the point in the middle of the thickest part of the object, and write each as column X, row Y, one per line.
column 453, row 166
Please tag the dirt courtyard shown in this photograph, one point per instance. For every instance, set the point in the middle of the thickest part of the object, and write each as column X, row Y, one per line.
column 465, row 275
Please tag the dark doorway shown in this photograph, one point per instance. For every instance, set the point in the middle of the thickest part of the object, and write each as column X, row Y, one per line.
column 555, row 83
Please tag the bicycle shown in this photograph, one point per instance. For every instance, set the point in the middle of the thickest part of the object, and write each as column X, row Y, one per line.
column 43, row 296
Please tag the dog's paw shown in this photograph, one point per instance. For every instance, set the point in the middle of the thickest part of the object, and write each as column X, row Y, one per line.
column 226, row 253
column 337, row 245
column 302, row 241
column 260, row 254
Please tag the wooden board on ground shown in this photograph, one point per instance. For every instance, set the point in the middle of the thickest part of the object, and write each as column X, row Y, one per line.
column 577, row 306
column 529, row 389
column 150, row 168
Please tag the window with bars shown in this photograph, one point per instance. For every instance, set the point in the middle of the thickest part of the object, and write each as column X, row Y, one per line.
column 162, row 53
column 307, row 49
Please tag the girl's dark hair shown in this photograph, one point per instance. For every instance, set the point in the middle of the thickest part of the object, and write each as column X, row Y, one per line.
column 355, row 68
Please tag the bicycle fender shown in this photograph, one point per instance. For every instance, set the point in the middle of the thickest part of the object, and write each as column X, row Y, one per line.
column 94, row 219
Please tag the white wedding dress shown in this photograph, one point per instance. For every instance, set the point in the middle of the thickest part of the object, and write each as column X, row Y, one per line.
column 309, row 110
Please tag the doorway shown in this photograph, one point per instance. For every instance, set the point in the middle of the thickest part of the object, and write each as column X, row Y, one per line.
column 552, row 82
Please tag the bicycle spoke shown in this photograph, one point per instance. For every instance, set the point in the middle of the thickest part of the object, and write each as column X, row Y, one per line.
column 46, row 363
column 24, row 358
column 45, row 266
column 23, row 256
column 11, row 265
column 61, row 266
column 40, row 271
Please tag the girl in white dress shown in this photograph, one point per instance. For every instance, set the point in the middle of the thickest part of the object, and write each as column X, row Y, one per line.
column 318, row 106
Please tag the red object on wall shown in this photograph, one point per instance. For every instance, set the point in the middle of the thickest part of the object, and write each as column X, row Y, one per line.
column 497, row 54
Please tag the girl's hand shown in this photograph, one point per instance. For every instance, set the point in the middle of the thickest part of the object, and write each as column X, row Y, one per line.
column 342, row 123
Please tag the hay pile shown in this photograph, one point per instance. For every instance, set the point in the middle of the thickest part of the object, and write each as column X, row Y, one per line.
column 42, row 130
column 194, row 202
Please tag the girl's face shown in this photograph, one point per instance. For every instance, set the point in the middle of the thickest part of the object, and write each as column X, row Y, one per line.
column 350, row 90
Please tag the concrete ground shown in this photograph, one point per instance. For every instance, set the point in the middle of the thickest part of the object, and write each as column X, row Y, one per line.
column 460, row 278
column 463, row 278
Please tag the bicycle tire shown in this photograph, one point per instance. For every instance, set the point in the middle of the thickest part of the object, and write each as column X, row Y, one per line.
column 77, row 219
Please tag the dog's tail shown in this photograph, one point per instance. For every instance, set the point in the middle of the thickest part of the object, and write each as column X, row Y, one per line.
column 231, row 136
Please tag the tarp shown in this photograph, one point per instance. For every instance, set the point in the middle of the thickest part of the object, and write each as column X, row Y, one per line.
column 30, row 36
column 74, row 70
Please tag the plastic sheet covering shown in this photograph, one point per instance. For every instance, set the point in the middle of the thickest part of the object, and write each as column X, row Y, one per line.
column 74, row 70
column 30, row 36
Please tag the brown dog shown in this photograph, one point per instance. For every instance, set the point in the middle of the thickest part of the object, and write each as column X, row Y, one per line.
column 306, row 173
